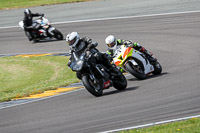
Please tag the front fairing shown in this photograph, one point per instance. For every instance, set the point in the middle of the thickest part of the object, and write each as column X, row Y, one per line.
column 50, row 30
column 121, row 55
column 43, row 22
column 78, row 62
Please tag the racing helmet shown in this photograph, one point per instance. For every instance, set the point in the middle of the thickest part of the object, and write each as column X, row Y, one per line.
column 72, row 39
column 27, row 12
column 111, row 42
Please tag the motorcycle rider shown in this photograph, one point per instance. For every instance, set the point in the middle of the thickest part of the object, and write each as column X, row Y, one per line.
column 28, row 21
column 113, row 44
column 79, row 45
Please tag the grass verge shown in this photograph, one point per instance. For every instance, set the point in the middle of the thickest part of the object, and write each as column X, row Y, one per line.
column 11, row 4
column 186, row 126
column 21, row 76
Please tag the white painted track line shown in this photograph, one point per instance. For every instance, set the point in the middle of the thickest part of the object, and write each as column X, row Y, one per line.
column 151, row 124
column 112, row 18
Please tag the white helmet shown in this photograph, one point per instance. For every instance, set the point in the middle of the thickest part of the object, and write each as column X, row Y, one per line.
column 111, row 42
column 72, row 39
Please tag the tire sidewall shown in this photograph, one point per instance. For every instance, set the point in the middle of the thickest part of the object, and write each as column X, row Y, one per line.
column 90, row 88
column 157, row 70
column 58, row 35
column 133, row 72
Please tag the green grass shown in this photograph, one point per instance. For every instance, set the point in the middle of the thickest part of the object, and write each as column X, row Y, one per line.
column 10, row 4
column 20, row 76
column 186, row 126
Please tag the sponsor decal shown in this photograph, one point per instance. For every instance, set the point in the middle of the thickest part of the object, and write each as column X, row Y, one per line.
column 107, row 84
column 117, row 63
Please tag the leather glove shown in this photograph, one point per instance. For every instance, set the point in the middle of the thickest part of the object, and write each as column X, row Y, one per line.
column 129, row 43
column 42, row 14
column 89, row 41
column 89, row 46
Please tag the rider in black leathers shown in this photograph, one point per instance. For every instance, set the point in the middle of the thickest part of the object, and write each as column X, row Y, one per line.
column 28, row 21
column 79, row 45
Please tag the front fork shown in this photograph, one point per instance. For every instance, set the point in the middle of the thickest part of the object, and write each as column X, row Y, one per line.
column 92, row 77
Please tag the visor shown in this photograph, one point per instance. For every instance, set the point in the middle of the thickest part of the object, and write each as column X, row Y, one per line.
column 111, row 45
column 72, row 41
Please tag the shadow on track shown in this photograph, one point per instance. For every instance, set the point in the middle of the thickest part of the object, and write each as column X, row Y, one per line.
column 46, row 41
column 117, row 91
column 148, row 77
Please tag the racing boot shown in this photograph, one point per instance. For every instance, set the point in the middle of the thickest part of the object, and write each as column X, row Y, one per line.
column 29, row 35
column 148, row 55
column 114, row 69
column 30, row 38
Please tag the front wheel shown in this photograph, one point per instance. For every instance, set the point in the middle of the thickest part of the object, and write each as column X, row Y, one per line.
column 157, row 68
column 58, row 35
column 95, row 89
column 136, row 71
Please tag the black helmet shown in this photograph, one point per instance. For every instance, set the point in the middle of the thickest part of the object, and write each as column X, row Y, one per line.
column 27, row 12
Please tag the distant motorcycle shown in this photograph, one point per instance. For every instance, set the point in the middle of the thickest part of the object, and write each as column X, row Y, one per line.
column 96, row 77
column 44, row 30
column 135, row 62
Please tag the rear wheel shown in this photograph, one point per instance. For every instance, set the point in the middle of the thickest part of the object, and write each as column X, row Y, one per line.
column 136, row 71
column 95, row 89
column 120, row 82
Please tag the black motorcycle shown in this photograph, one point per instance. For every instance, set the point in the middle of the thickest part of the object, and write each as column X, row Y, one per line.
column 96, row 77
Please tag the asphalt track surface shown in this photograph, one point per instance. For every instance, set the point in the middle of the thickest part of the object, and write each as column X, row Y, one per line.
column 174, row 40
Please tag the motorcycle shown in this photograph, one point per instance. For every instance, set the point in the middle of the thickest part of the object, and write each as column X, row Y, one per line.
column 135, row 62
column 96, row 77
column 44, row 30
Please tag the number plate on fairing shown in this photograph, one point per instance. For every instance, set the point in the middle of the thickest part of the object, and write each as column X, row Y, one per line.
column 106, row 84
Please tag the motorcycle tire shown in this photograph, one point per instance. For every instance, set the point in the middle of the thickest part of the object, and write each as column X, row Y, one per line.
column 120, row 82
column 94, row 89
column 133, row 71
column 157, row 68
column 58, row 35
